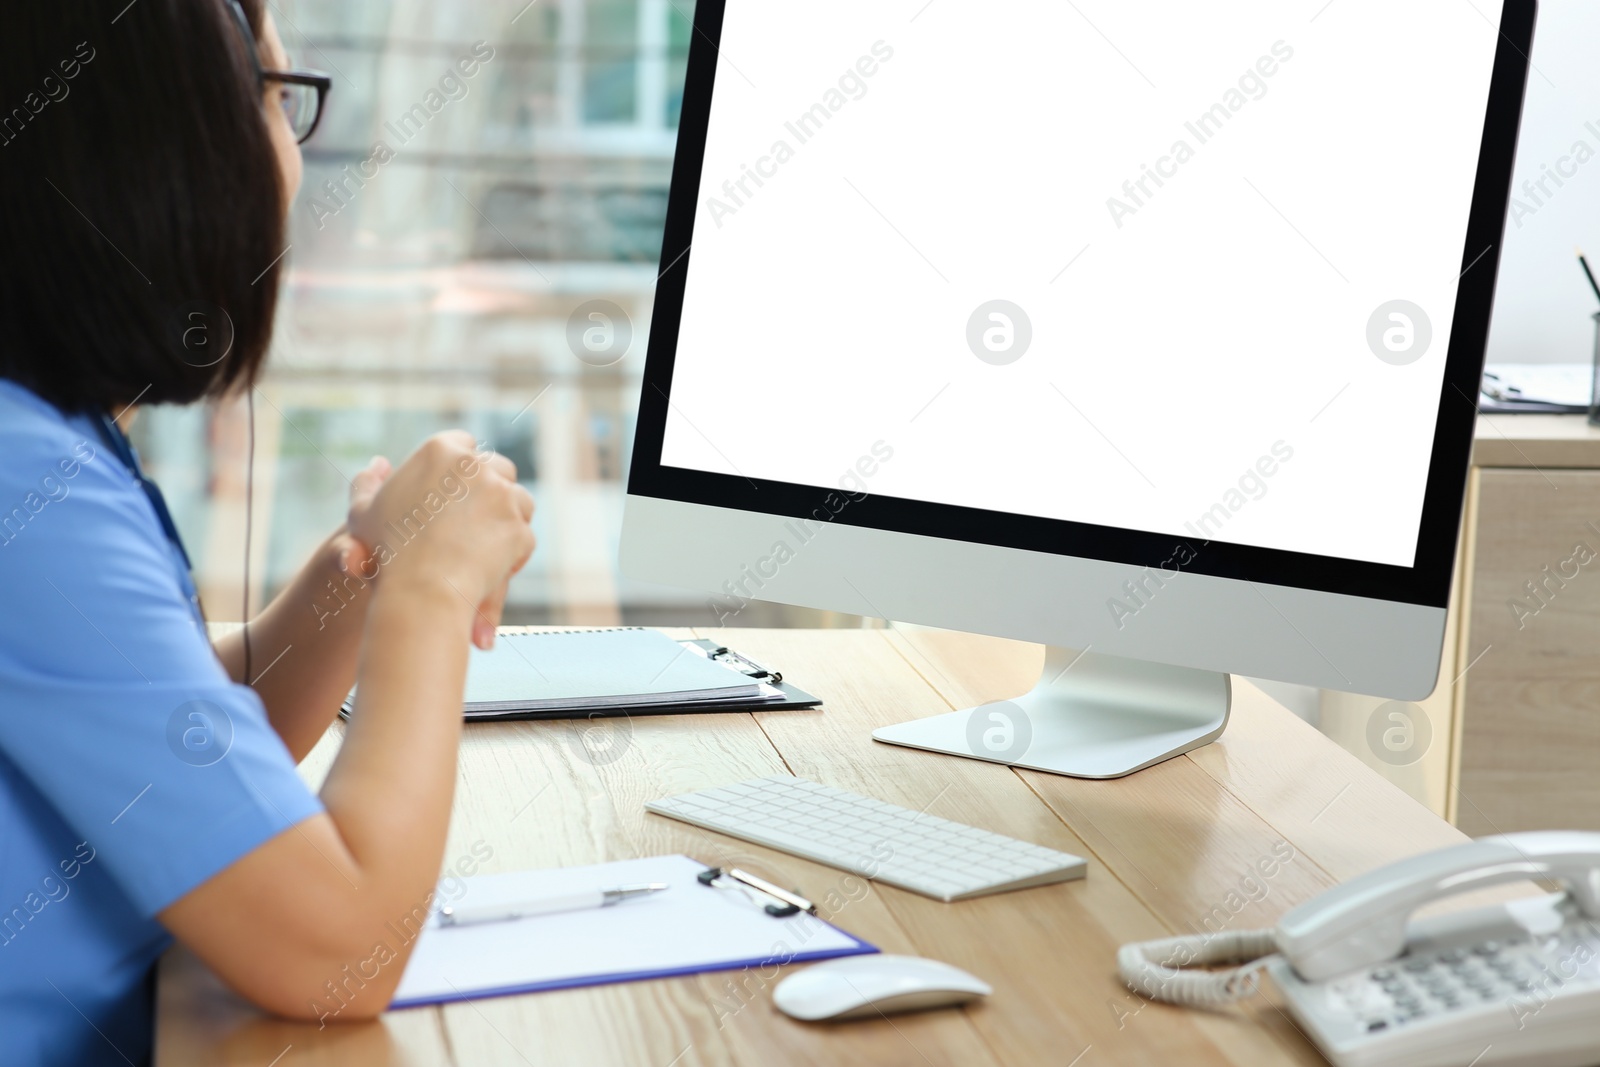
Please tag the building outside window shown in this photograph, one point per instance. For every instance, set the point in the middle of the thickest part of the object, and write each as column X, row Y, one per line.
column 483, row 171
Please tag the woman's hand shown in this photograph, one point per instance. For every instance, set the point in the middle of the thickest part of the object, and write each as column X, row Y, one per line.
column 351, row 554
column 449, row 514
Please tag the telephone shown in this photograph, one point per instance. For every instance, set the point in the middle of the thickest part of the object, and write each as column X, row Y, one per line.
column 1514, row 984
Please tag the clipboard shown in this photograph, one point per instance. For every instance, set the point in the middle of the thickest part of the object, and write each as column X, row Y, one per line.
column 691, row 928
column 792, row 696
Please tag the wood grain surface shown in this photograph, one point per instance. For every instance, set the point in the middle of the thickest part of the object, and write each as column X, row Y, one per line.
column 1181, row 846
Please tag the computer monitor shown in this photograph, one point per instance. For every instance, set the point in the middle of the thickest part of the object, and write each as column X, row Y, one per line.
column 1149, row 332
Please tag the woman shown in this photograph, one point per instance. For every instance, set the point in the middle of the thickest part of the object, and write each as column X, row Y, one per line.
column 146, row 794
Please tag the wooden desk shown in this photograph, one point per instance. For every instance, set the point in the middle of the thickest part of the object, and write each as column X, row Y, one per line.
column 1169, row 848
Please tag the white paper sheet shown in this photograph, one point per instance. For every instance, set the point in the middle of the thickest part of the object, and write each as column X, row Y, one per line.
column 683, row 930
column 1552, row 383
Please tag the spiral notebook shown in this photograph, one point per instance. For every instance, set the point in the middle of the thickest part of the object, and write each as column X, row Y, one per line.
column 621, row 671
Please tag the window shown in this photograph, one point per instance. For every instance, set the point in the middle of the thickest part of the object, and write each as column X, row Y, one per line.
column 448, row 227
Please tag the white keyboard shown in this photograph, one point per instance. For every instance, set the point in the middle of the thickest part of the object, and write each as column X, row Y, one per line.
column 886, row 843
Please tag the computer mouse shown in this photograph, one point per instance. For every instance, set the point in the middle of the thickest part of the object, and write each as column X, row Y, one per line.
column 860, row 987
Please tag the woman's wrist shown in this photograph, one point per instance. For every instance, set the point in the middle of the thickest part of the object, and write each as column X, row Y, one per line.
column 422, row 594
column 340, row 589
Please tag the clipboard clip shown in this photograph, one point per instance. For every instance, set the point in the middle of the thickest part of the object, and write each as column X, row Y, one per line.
column 793, row 903
column 743, row 664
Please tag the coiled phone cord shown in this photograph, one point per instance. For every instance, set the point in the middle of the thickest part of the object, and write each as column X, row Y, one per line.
column 1148, row 966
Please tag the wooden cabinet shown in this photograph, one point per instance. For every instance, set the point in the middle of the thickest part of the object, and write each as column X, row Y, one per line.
column 1515, row 722
column 1530, row 706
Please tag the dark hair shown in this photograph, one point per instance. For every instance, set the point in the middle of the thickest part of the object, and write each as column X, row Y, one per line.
column 141, row 204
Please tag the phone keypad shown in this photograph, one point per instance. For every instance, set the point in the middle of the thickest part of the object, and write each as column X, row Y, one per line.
column 1519, row 970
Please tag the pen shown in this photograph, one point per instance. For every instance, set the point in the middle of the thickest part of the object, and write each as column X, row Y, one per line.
column 1587, row 273
column 450, row 915
column 794, row 900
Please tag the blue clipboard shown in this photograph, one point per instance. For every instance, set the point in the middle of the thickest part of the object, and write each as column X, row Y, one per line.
column 690, row 928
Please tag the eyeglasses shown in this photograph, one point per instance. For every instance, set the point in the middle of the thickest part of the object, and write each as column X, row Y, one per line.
column 303, row 91
column 303, row 94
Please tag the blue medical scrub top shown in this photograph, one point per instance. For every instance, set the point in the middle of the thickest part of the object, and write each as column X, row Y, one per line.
column 131, row 768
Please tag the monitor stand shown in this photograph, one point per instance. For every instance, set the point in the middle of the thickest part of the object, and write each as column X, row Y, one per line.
column 1089, row 716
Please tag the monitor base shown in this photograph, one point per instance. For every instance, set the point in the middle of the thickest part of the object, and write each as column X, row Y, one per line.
column 1089, row 716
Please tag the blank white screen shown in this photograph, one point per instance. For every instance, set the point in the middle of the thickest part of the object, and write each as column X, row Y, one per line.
column 1224, row 319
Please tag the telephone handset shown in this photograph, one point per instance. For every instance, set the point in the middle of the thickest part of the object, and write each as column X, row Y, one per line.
column 1517, row 983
